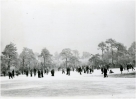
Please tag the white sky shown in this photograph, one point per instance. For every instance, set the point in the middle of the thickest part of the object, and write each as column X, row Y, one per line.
column 59, row 24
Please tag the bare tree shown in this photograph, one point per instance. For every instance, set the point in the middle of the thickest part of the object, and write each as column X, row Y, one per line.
column 10, row 53
column 102, row 46
column 66, row 54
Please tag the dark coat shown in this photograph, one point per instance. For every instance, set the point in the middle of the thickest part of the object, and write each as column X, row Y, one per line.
column 121, row 68
column 52, row 72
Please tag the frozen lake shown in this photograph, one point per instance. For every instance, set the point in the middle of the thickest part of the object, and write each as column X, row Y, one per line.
column 75, row 85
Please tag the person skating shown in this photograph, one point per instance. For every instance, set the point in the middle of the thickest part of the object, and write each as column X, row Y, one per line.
column 68, row 71
column 13, row 74
column 105, row 72
column 121, row 68
column 10, row 75
column 27, row 73
column 31, row 73
column 34, row 72
column 80, row 70
column 41, row 73
column 128, row 66
column 52, row 72
column 90, row 70
column 87, row 69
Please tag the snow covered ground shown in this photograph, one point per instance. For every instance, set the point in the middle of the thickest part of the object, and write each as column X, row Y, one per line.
column 74, row 86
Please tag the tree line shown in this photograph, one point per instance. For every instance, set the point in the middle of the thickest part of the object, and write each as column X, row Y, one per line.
column 113, row 52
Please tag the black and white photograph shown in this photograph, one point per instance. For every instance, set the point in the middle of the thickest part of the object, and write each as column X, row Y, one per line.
column 67, row 49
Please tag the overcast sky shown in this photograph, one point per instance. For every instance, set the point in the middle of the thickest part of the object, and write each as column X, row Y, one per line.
column 59, row 24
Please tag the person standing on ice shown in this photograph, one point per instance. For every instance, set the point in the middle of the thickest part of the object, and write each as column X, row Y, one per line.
column 105, row 72
column 10, row 74
column 121, row 68
column 34, row 72
column 39, row 74
column 91, row 70
column 52, row 72
column 68, row 71
column 128, row 66
column 27, row 72
column 13, row 73
column 31, row 73
column 87, row 69
column 80, row 70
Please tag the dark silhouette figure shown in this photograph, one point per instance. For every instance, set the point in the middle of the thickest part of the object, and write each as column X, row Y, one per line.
column 13, row 73
column 105, row 72
column 41, row 73
column 31, row 73
column 111, row 71
column 80, row 70
column 52, row 72
column 121, row 68
column 91, row 70
column 128, row 66
column 68, row 71
column 34, row 72
column 87, row 69
column 10, row 75
column 27, row 73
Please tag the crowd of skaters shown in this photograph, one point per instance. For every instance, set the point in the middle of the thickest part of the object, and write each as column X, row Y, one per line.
column 129, row 66
column 105, row 68
column 80, row 69
column 86, row 69
column 39, row 72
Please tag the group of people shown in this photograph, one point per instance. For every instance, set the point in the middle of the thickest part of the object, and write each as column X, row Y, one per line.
column 40, row 72
column 86, row 69
column 31, row 72
column 11, row 74
column 129, row 66
column 67, row 71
